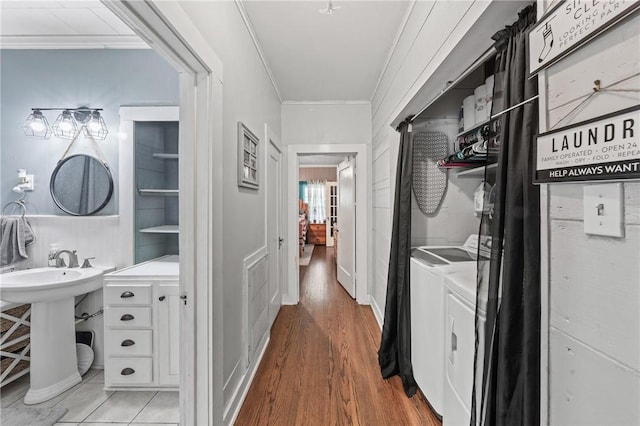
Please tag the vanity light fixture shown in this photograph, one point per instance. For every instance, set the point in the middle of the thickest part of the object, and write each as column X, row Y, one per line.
column 36, row 125
column 68, row 124
column 65, row 126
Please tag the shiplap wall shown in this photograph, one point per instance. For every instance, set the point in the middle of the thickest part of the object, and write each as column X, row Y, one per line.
column 420, row 49
column 594, row 282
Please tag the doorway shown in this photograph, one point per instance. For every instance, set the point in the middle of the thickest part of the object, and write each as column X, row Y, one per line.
column 297, row 154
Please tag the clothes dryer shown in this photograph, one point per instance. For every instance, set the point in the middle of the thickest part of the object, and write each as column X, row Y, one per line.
column 460, row 314
column 429, row 265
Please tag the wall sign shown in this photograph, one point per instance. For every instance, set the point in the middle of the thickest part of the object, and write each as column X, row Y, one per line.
column 569, row 25
column 604, row 148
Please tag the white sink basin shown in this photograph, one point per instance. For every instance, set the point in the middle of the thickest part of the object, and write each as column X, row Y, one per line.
column 40, row 284
column 51, row 292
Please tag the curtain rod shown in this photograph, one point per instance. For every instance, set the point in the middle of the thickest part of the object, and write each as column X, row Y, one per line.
column 485, row 56
column 533, row 98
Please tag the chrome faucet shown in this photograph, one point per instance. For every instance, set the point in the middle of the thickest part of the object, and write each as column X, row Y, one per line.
column 73, row 259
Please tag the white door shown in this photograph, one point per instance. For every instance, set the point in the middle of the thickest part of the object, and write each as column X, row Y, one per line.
column 274, row 228
column 168, row 332
column 346, row 226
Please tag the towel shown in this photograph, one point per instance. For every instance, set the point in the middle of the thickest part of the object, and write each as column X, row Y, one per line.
column 15, row 235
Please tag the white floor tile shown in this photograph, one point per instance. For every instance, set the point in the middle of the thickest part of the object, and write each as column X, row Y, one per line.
column 164, row 407
column 123, row 406
column 13, row 392
column 83, row 401
column 66, row 424
column 97, row 378
column 153, row 424
column 102, row 424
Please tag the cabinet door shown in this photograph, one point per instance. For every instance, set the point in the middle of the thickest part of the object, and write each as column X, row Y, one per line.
column 168, row 333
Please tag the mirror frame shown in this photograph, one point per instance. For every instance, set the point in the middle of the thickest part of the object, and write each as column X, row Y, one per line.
column 59, row 203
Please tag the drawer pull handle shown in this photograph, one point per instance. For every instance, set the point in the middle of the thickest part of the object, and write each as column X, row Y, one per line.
column 127, row 317
column 127, row 371
column 161, row 298
column 127, row 342
column 127, row 294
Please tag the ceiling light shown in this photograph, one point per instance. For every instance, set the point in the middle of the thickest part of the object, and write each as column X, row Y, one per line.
column 36, row 125
column 65, row 126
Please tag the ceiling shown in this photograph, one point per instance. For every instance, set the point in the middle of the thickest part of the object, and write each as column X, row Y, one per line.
column 311, row 56
column 321, row 159
column 63, row 24
column 320, row 57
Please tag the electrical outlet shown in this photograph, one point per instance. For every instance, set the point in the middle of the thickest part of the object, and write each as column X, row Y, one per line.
column 604, row 210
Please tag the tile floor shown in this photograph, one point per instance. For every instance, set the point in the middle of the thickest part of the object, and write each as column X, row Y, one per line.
column 88, row 404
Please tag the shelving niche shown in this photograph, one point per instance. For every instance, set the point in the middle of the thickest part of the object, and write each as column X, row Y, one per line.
column 157, row 195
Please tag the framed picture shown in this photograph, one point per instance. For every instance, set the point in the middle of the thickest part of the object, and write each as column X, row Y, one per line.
column 247, row 157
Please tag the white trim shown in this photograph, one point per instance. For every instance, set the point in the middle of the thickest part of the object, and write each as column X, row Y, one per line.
column 394, row 46
column 173, row 36
column 235, row 404
column 73, row 42
column 363, row 213
column 256, row 43
column 328, row 102
column 377, row 312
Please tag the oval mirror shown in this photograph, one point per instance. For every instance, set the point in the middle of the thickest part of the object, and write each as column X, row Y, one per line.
column 81, row 185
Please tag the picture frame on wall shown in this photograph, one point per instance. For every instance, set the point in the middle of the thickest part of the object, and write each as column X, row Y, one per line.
column 248, row 158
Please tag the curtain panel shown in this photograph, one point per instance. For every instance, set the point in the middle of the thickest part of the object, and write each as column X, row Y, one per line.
column 394, row 355
column 507, row 359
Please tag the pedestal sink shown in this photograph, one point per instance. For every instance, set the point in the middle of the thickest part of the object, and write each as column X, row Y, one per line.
column 51, row 292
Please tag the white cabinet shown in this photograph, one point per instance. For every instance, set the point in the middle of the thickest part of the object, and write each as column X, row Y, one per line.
column 142, row 334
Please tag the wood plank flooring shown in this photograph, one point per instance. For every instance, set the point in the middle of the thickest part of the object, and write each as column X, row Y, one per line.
column 321, row 365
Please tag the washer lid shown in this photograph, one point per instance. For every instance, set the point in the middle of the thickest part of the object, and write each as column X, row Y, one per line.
column 464, row 283
column 427, row 257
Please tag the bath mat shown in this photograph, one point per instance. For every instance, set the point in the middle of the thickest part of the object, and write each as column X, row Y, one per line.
column 306, row 255
column 429, row 181
column 32, row 416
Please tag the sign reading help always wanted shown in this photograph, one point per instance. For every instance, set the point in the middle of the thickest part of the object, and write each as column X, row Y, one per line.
column 605, row 148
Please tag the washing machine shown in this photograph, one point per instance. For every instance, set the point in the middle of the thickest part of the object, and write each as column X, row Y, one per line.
column 459, row 343
column 428, row 267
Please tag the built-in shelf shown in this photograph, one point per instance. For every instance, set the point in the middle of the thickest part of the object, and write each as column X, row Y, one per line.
column 476, row 171
column 474, row 128
column 165, row 156
column 163, row 229
column 167, row 192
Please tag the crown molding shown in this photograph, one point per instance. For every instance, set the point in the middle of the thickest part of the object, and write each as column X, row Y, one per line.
column 256, row 43
column 326, row 103
column 73, row 42
column 394, row 46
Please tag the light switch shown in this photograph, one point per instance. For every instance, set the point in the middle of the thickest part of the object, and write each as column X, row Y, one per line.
column 604, row 210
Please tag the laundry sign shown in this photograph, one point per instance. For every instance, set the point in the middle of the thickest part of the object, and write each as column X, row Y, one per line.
column 604, row 148
column 569, row 25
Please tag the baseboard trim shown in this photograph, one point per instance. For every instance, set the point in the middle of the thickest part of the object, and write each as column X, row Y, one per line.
column 377, row 312
column 232, row 409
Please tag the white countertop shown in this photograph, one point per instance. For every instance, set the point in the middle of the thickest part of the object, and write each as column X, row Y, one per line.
column 165, row 266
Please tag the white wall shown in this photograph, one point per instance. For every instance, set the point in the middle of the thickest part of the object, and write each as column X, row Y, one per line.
column 594, row 282
column 318, row 123
column 248, row 96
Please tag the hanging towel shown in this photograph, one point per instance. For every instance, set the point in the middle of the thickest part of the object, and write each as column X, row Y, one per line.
column 15, row 235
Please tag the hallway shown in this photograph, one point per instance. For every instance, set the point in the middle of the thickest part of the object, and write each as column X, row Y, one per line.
column 321, row 367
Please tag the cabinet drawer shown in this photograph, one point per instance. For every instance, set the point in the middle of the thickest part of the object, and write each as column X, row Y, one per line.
column 127, row 294
column 128, row 371
column 129, row 342
column 128, row 316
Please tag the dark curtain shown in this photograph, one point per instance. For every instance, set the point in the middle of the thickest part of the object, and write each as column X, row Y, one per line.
column 394, row 354
column 507, row 362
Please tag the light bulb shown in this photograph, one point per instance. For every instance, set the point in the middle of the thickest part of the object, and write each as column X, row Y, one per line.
column 65, row 126
column 37, row 126
column 95, row 126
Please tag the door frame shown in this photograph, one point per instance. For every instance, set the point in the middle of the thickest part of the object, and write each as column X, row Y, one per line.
column 363, row 213
column 166, row 27
column 272, row 139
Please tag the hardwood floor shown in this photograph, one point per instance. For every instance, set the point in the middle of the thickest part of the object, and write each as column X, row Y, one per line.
column 321, row 365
